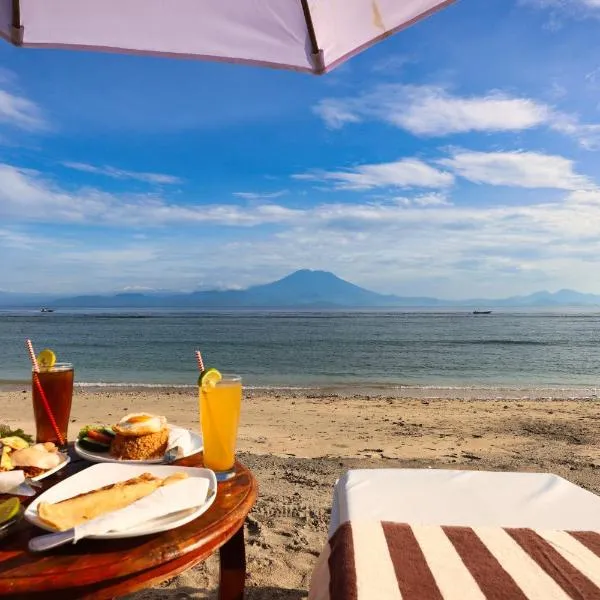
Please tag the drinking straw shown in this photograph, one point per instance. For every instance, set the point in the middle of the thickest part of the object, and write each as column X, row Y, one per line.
column 38, row 385
column 200, row 361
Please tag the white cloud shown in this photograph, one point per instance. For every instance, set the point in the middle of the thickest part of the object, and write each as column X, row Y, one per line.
column 404, row 173
column 593, row 77
column 336, row 113
column 115, row 173
column 433, row 111
column 567, row 5
column 18, row 111
column 410, row 245
column 26, row 194
column 431, row 200
column 587, row 134
column 126, row 255
column 260, row 196
column 560, row 10
column 584, row 197
column 392, row 64
column 517, row 169
column 14, row 239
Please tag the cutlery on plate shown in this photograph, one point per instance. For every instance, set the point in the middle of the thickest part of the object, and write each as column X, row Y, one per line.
column 172, row 454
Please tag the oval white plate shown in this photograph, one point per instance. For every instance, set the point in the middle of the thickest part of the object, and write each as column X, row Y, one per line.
column 59, row 466
column 195, row 446
column 97, row 476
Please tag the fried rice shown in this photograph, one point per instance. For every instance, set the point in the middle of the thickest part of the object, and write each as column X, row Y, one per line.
column 140, row 447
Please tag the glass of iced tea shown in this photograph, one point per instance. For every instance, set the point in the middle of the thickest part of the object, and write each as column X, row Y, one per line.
column 220, row 406
column 57, row 383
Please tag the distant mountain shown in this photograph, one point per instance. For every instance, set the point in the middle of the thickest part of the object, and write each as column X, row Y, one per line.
column 127, row 300
column 302, row 289
column 309, row 288
column 560, row 298
column 18, row 299
column 537, row 299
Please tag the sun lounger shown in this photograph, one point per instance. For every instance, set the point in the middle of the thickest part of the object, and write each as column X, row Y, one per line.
column 437, row 534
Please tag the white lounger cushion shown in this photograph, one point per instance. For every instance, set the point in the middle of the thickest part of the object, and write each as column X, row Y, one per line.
column 467, row 498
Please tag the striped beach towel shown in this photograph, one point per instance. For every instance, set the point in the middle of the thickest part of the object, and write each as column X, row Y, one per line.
column 395, row 561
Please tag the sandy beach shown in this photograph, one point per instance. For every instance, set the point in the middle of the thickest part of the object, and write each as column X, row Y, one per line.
column 299, row 442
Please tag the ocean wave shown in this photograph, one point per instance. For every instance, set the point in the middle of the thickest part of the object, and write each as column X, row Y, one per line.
column 423, row 391
column 110, row 384
column 502, row 342
column 519, row 391
column 492, row 388
column 107, row 384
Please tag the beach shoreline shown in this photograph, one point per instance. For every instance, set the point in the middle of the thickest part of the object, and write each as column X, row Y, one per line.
column 298, row 442
column 387, row 390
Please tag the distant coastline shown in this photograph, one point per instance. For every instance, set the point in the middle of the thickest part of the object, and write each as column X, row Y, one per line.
column 301, row 289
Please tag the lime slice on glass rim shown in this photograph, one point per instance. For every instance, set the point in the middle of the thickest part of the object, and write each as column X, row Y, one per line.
column 209, row 378
column 46, row 359
column 9, row 509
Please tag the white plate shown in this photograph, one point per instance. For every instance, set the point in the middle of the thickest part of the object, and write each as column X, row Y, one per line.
column 100, row 475
column 66, row 460
column 195, row 446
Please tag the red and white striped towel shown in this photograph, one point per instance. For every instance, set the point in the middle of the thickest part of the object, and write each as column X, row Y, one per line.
column 395, row 561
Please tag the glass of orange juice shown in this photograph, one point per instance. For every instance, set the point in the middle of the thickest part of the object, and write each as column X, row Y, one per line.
column 220, row 406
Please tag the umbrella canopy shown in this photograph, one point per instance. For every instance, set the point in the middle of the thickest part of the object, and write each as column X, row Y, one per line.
column 303, row 35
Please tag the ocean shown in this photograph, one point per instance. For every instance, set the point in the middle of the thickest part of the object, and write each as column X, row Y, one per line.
column 314, row 348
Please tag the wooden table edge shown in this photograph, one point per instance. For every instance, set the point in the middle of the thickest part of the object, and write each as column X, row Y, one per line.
column 168, row 570
column 179, row 564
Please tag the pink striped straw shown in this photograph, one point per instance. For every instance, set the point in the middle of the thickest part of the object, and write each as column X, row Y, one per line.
column 32, row 356
column 199, row 361
column 40, row 389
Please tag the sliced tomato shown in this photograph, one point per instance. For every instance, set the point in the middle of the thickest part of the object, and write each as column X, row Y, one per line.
column 98, row 436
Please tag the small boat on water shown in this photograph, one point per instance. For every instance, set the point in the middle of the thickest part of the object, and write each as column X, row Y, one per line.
column 44, row 309
column 482, row 312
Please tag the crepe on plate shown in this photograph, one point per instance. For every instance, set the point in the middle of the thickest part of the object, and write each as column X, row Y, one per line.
column 79, row 509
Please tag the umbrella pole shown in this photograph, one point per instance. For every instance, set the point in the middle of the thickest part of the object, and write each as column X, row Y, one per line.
column 16, row 32
column 316, row 52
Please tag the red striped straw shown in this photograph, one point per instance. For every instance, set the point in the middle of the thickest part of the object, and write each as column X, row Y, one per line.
column 199, row 361
column 40, row 389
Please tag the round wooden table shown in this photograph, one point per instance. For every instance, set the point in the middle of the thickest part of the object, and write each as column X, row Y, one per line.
column 103, row 569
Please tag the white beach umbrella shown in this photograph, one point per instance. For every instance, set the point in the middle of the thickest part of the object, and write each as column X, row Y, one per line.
column 304, row 35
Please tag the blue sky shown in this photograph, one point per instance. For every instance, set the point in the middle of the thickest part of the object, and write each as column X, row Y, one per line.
column 457, row 158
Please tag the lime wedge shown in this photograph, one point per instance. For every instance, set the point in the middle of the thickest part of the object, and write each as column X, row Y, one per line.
column 9, row 509
column 209, row 378
column 46, row 359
